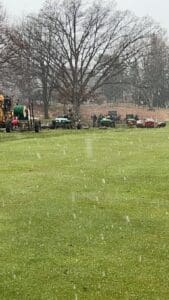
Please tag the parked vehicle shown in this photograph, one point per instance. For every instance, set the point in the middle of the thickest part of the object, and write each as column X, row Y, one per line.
column 131, row 120
column 114, row 115
column 149, row 123
column 5, row 110
column 19, row 117
column 161, row 124
column 61, row 122
column 23, row 119
column 107, row 122
column 140, row 124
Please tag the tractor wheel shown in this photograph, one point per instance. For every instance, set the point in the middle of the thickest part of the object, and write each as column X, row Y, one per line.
column 36, row 127
column 8, row 126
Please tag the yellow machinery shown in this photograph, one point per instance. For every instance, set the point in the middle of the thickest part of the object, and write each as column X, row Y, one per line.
column 20, row 117
column 5, row 110
column 2, row 115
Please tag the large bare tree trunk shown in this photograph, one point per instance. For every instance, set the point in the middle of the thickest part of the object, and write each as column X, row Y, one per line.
column 46, row 110
column 45, row 102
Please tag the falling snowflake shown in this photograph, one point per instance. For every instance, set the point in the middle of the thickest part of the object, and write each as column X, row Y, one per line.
column 97, row 198
column 127, row 219
column 103, row 274
column 89, row 148
column 38, row 155
column 102, row 236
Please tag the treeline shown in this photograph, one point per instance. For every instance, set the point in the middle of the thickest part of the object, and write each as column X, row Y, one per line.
column 70, row 52
column 146, row 80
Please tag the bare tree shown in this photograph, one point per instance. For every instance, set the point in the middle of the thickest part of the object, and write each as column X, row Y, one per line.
column 93, row 40
column 156, row 71
column 74, row 47
column 149, row 76
column 35, row 72
column 8, row 49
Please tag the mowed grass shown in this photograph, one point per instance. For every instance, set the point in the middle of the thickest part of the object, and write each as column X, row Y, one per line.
column 84, row 214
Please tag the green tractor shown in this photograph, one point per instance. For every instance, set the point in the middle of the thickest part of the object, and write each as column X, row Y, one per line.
column 107, row 122
column 23, row 119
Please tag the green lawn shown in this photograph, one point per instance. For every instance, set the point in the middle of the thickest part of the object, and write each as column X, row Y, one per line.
column 84, row 215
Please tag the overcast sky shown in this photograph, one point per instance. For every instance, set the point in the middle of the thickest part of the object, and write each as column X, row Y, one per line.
column 158, row 9
column 20, row 7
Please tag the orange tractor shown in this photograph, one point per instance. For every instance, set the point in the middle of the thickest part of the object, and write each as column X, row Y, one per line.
column 5, row 111
column 20, row 117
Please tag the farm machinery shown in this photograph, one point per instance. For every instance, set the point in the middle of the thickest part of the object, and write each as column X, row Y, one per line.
column 20, row 117
column 107, row 122
column 5, row 111
column 131, row 120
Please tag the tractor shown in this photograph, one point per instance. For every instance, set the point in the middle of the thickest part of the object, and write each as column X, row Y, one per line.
column 6, row 113
column 21, row 117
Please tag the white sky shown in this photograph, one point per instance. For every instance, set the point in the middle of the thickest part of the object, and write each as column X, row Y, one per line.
column 157, row 9
column 21, row 7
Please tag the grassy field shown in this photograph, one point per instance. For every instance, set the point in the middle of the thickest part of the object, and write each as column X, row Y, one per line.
column 84, row 215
